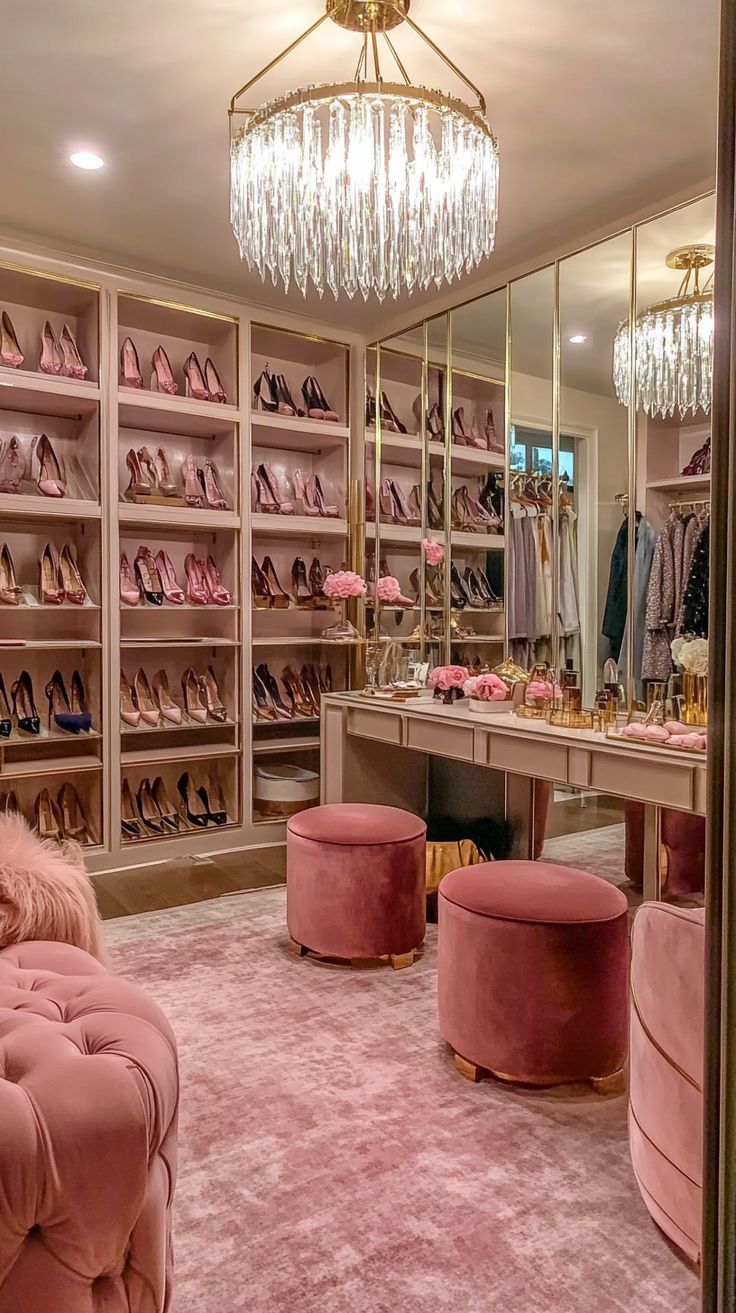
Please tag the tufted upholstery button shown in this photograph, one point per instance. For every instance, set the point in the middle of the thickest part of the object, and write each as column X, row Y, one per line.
column 88, row 1148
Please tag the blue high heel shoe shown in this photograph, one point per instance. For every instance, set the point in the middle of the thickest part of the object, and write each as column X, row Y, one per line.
column 71, row 717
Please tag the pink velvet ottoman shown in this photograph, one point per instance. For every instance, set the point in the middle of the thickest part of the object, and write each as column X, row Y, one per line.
column 88, row 1107
column 355, row 882
column 533, row 973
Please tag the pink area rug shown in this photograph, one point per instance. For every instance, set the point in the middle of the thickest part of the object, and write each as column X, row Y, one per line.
column 331, row 1160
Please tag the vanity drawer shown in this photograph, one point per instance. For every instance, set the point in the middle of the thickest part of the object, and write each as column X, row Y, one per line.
column 528, row 756
column 383, row 725
column 667, row 784
column 442, row 739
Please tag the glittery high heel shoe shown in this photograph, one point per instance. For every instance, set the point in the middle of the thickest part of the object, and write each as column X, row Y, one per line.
column 10, row 352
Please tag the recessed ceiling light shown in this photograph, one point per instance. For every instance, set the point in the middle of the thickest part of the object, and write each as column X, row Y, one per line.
column 86, row 159
column 578, row 338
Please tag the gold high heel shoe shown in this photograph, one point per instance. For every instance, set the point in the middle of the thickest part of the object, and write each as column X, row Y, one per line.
column 73, row 819
column 48, row 817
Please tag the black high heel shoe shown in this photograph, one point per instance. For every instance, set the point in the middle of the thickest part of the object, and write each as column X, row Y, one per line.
column 213, row 802
column 284, row 395
column 264, row 393
column 129, row 822
column 458, row 595
column 317, row 405
column 24, row 708
column 272, row 688
column 195, row 810
column 150, row 814
column 71, row 717
column 147, row 577
column 6, row 723
column 389, row 414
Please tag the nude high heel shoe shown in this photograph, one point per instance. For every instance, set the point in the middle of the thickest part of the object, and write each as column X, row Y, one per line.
column 194, row 704
column 150, row 713
column 48, row 817
column 272, row 498
column 12, row 466
column 218, row 593
column 198, row 593
column 10, row 593
column 216, row 709
column 130, row 592
column 192, row 483
column 10, row 352
column 172, row 591
column 140, row 484
column 162, row 470
column 49, row 478
column 213, row 492
column 167, row 810
column 212, row 383
column 130, row 368
column 162, row 378
column 73, row 820
column 129, row 713
column 167, row 706
column 195, row 384
column 71, row 579
column 50, row 586
column 51, row 358
column 72, row 364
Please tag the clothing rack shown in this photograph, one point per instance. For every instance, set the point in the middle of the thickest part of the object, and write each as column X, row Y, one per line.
column 694, row 506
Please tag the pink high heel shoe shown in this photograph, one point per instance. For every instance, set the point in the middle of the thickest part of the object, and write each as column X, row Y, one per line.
column 218, row 593
column 49, row 479
column 169, row 583
column 10, row 352
column 492, row 441
column 130, row 593
column 130, row 369
column 140, row 484
column 212, row 383
column 388, row 512
column 212, row 490
column 304, row 493
column 195, row 384
column 197, row 591
column 271, row 493
column 325, row 508
column 12, row 466
column 72, row 364
column 51, row 359
column 162, row 379
column 192, row 483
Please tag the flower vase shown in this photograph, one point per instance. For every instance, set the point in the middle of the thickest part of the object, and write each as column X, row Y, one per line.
column 448, row 695
column 695, row 689
column 343, row 631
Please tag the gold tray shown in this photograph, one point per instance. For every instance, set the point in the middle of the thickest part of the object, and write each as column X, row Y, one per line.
column 572, row 719
column 623, row 741
column 532, row 713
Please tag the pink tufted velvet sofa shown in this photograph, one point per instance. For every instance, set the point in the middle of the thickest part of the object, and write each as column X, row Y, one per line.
column 88, row 1111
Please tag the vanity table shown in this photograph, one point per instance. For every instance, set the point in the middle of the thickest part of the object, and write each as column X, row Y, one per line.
column 378, row 751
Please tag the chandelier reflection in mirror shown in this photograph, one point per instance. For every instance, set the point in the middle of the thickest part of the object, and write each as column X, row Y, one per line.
column 673, row 344
column 364, row 186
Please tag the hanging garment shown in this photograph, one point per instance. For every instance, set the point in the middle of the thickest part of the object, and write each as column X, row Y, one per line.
column 543, row 624
column 569, row 609
column 660, row 608
column 645, row 543
column 678, row 545
column 614, row 615
column 693, row 530
column 695, row 606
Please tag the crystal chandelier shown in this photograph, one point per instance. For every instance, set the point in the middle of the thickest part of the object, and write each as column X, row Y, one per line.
column 370, row 186
column 673, row 343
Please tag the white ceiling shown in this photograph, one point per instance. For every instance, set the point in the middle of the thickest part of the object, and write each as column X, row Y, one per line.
column 600, row 110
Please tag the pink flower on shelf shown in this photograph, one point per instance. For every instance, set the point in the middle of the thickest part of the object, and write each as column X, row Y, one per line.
column 486, row 688
column 344, row 584
column 434, row 553
column 388, row 589
column 447, row 677
column 539, row 689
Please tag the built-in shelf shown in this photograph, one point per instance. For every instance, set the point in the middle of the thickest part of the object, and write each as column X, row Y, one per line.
column 305, row 641
column 24, row 506
column 406, row 449
column 262, row 747
column 479, row 638
column 18, row 739
column 198, row 752
column 290, row 433
column 298, row 526
column 685, row 483
column 184, row 642
column 45, row 394
column 166, row 727
column 170, row 608
column 16, row 770
column 158, row 412
column 48, row 644
column 275, row 724
column 187, row 831
column 164, row 517
column 412, row 534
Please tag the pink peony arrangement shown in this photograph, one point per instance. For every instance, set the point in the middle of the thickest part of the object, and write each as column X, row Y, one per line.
column 434, row 553
column 486, row 688
column 388, row 589
column 344, row 584
column 446, row 678
column 540, row 690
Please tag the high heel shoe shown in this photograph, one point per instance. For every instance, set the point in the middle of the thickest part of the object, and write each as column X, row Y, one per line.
column 273, row 692
column 402, row 514
column 196, row 812
column 71, row 718
column 386, row 502
column 491, row 599
column 192, row 483
column 149, row 812
column 172, row 592
column 162, row 472
column 48, row 817
column 10, row 592
column 434, row 510
column 211, row 482
column 260, row 588
column 264, row 393
column 304, row 493
column 298, row 695
column 10, row 352
column 194, row 705
column 167, row 811
column 73, row 819
column 150, row 712
column 50, row 360
column 130, row 592
column 213, row 800
column 324, row 508
column 129, row 819
column 435, row 426
column 72, row 364
column 12, row 466
column 492, row 442
column 71, row 579
column 6, row 723
column 162, row 378
column 141, row 483
column 271, row 498
column 315, row 402
column 388, row 412
column 24, row 707
column 197, row 591
column 458, row 595
column 303, row 596
column 263, row 708
column 287, row 405
column 212, row 382
column 49, row 479
column 280, row 598
column 195, row 384
column 147, row 576
column 170, row 710
column 129, row 712
column 219, row 594
column 310, row 683
column 317, row 576
column 216, row 708
column 130, row 368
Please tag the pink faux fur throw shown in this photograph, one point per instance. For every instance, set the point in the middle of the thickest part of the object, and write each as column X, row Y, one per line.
column 45, row 892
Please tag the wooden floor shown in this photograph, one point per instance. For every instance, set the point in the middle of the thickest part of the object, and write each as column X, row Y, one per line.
column 172, row 884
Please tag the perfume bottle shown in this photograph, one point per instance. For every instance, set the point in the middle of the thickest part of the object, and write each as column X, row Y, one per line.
column 572, row 694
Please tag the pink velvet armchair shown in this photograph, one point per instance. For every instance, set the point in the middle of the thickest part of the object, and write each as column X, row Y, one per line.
column 667, row 1041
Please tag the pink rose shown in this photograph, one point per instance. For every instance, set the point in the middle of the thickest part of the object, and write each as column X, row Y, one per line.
column 489, row 688
column 434, row 553
column 388, row 588
column 447, row 677
column 344, row 584
column 470, row 686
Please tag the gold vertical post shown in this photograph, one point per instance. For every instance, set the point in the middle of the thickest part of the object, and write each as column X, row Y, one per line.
column 507, row 477
column 631, row 447
column 447, row 500
column 556, row 638
column 424, row 474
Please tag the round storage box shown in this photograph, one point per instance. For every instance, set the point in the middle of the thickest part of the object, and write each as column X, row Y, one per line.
column 284, row 790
